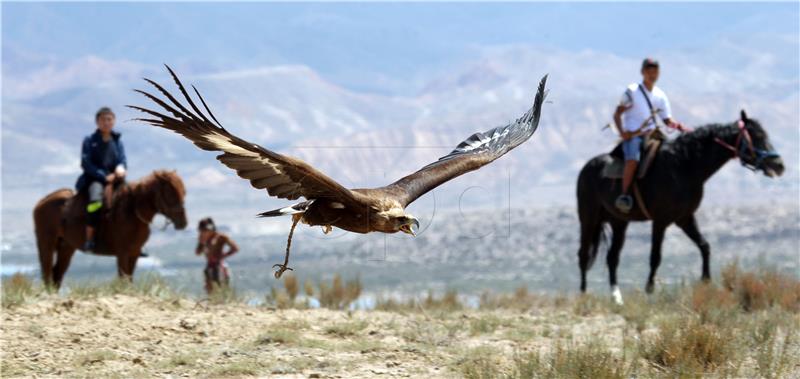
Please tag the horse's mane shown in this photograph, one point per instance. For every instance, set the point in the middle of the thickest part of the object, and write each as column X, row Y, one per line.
column 689, row 143
column 125, row 197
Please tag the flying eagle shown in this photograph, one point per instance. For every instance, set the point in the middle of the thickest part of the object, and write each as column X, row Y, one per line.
column 327, row 203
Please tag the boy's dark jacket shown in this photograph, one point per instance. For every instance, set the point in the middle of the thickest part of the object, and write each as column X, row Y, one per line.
column 92, row 154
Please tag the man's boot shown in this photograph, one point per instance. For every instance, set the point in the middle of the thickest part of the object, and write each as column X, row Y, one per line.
column 624, row 203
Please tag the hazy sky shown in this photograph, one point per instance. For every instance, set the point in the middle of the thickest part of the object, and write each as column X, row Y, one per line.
column 378, row 47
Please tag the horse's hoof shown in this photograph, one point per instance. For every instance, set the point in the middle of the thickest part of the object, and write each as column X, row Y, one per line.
column 616, row 295
column 281, row 270
column 649, row 288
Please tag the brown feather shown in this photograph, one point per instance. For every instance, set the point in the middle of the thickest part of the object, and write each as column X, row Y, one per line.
column 471, row 154
column 281, row 175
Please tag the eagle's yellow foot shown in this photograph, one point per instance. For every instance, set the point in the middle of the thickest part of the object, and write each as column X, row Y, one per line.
column 327, row 229
column 281, row 269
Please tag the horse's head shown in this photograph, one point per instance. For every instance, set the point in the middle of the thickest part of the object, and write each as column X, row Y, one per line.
column 755, row 150
column 169, row 194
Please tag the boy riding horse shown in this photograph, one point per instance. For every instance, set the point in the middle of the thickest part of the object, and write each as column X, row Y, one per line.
column 103, row 162
column 636, row 115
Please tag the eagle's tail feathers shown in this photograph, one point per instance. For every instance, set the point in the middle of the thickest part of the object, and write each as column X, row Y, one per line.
column 290, row 210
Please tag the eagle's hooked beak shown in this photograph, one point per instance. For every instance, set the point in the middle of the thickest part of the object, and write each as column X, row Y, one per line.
column 411, row 226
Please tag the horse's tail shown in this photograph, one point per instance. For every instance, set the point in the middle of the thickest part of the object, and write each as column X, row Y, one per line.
column 590, row 214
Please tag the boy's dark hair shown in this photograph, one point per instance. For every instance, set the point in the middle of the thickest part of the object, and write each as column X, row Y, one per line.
column 206, row 224
column 648, row 63
column 102, row 111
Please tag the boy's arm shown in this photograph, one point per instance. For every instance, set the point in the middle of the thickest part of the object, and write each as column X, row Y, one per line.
column 232, row 247
column 199, row 249
column 618, row 118
column 625, row 103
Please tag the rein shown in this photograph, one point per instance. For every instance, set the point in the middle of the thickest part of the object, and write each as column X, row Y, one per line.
column 738, row 149
column 139, row 216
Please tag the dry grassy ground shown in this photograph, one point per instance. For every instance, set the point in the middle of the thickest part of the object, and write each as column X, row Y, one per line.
column 745, row 327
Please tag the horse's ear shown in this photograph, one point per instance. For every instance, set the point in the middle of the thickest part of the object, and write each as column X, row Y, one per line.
column 743, row 115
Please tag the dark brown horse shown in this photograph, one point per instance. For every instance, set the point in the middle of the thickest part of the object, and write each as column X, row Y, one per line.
column 672, row 191
column 60, row 222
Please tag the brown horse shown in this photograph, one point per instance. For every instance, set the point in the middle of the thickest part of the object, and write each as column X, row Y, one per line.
column 60, row 222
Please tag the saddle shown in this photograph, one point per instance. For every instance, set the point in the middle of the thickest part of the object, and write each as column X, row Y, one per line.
column 74, row 215
column 652, row 142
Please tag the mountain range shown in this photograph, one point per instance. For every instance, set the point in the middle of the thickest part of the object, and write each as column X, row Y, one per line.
column 365, row 139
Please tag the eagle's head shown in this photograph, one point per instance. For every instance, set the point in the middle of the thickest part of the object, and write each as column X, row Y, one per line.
column 394, row 219
column 407, row 224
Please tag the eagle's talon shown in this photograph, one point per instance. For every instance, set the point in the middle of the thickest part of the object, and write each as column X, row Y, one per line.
column 281, row 269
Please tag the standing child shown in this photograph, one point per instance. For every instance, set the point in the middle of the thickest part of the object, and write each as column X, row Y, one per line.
column 212, row 244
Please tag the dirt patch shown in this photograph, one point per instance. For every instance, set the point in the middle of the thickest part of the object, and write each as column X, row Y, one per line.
column 132, row 336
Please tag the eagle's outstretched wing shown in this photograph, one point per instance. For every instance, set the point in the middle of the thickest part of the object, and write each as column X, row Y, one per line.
column 476, row 151
column 282, row 176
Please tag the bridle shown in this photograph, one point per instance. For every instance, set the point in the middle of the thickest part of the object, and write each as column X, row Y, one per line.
column 743, row 147
column 162, row 208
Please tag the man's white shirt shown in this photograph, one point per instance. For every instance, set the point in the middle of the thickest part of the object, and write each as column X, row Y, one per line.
column 638, row 110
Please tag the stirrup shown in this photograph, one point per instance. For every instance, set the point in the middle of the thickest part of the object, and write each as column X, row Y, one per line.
column 88, row 246
column 624, row 203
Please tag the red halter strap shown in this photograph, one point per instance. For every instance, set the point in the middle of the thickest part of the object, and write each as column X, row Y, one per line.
column 743, row 133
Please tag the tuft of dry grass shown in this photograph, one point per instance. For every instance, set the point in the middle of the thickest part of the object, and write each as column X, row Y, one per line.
column 686, row 346
column 480, row 363
column 346, row 329
column 485, row 324
column 279, row 335
column 149, row 284
column 308, row 287
column 520, row 300
column 336, row 294
column 448, row 302
column 591, row 359
column 292, row 286
column 712, row 303
column 238, row 369
column 225, row 295
column 762, row 289
column 17, row 290
column 339, row 294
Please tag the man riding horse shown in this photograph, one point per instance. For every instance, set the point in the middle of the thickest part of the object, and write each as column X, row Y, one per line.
column 103, row 162
column 637, row 114
column 671, row 188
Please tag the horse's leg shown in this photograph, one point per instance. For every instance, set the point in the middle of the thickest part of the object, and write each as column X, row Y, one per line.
column 132, row 259
column 583, row 261
column 612, row 259
column 655, row 254
column 123, row 265
column 689, row 226
column 591, row 233
column 47, row 248
column 65, row 253
column 589, row 239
